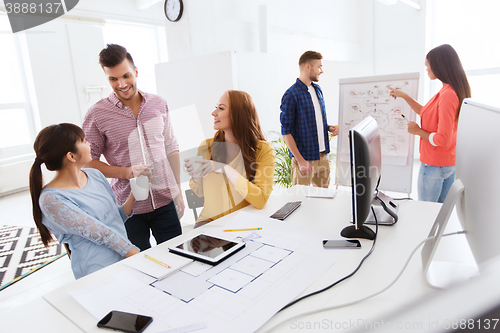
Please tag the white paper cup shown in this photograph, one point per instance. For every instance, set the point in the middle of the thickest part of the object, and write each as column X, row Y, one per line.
column 194, row 165
column 140, row 187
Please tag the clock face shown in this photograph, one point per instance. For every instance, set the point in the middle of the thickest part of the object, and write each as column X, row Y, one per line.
column 173, row 10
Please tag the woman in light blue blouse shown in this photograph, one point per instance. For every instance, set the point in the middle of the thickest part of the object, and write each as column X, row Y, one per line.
column 78, row 206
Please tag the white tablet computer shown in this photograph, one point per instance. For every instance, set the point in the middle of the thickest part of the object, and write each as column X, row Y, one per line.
column 208, row 249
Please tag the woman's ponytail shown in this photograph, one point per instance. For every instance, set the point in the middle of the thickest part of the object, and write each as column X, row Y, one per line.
column 36, row 184
column 51, row 145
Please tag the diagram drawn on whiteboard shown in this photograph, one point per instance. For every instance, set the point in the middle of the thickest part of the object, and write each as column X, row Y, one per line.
column 373, row 99
column 361, row 97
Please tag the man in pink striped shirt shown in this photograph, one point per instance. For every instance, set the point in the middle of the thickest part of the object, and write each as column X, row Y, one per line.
column 132, row 130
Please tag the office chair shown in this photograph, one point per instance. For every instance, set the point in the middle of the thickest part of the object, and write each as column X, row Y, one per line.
column 194, row 201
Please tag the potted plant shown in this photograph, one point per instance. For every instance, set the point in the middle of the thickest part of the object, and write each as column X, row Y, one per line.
column 283, row 166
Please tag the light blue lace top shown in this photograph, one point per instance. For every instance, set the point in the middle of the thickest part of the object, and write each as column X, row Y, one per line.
column 89, row 220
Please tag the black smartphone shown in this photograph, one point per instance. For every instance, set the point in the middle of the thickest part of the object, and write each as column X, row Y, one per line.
column 125, row 322
column 342, row 244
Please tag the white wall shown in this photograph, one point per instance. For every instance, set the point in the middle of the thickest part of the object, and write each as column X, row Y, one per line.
column 52, row 70
column 399, row 40
column 340, row 29
column 267, row 76
column 63, row 55
column 198, row 81
column 127, row 10
column 353, row 35
column 399, row 44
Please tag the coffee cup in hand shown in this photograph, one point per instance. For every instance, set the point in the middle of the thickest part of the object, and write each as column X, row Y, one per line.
column 140, row 187
column 195, row 166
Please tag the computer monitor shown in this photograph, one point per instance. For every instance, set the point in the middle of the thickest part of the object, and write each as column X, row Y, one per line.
column 366, row 168
column 476, row 192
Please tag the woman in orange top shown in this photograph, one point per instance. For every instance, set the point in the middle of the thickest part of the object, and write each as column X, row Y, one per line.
column 237, row 168
column 439, row 119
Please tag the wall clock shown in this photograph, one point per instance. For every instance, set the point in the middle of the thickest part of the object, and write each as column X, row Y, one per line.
column 173, row 10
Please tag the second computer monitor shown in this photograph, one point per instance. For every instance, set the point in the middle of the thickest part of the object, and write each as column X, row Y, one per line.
column 366, row 163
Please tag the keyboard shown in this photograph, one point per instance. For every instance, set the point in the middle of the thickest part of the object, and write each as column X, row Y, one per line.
column 286, row 210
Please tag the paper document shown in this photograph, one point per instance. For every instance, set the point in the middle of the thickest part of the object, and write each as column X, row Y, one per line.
column 152, row 266
column 238, row 295
column 319, row 192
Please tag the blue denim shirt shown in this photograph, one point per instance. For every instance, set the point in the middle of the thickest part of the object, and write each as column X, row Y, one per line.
column 298, row 119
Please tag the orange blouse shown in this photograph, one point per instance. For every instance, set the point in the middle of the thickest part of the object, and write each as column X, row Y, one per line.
column 438, row 117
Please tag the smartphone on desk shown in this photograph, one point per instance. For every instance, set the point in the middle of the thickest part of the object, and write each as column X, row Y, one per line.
column 342, row 244
column 125, row 322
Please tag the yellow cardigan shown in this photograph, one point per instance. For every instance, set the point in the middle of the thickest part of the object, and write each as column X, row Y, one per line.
column 222, row 197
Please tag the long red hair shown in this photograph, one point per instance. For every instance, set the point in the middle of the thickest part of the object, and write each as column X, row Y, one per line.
column 246, row 130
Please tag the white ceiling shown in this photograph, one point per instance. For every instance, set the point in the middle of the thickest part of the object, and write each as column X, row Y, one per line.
column 143, row 4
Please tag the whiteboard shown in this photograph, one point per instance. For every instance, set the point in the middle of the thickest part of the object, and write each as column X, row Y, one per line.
column 369, row 96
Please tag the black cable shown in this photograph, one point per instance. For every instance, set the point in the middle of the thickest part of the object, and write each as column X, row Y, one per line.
column 345, row 277
column 402, row 198
column 367, row 297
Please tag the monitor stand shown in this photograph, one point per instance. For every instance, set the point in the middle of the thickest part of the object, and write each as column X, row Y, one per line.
column 386, row 214
column 440, row 274
column 386, row 210
column 362, row 232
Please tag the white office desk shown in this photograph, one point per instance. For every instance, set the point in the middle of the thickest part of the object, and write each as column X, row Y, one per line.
column 36, row 316
column 394, row 244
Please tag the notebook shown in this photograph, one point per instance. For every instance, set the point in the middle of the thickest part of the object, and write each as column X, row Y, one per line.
column 152, row 267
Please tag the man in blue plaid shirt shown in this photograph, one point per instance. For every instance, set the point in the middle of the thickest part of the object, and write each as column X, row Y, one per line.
column 304, row 126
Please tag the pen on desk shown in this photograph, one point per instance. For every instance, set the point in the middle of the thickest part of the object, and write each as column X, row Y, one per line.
column 404, row 117
column 243, row 229
column 157, row 261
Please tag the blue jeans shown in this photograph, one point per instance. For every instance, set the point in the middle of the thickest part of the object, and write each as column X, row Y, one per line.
column 435, row 182
column 163, row 222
